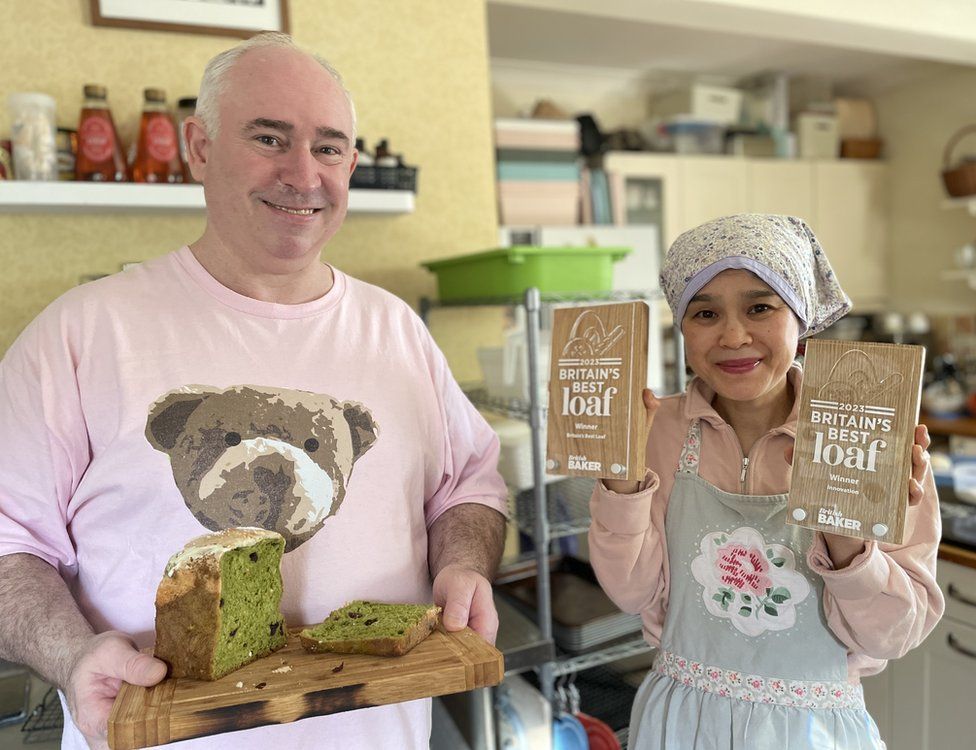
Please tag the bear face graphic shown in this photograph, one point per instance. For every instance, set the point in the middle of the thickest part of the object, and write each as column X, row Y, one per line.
column 252, row 456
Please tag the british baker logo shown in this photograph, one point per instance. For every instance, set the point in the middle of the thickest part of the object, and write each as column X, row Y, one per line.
column 597, row 373
column 852, row 460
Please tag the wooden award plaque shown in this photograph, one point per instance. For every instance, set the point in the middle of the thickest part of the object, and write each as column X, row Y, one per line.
column 597, row 420
column 853, row 456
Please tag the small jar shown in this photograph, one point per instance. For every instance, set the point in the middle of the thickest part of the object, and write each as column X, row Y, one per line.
column 33, row 134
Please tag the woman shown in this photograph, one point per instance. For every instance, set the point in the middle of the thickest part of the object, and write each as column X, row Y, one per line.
column 764, row 629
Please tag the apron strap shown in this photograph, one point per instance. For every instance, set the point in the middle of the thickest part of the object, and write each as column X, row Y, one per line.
column 691, row 450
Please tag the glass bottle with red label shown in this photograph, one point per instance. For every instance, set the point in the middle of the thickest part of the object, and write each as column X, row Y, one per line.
column 100, row 157
column 157, row 156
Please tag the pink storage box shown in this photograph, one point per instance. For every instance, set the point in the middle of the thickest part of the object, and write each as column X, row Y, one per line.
column 555, row 203
column 538, row 135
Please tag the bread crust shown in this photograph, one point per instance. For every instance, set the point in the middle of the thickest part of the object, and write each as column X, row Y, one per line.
column 377, row 646
column 187, row 618
column 188, row 604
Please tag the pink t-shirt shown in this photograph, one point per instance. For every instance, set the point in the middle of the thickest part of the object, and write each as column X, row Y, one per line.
column 144, row 409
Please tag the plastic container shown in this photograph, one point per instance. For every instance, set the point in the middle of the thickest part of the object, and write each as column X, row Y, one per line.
column 508, row 272
column 34, row 136
column 515, row 453
column 364, row 176
column 696, row 137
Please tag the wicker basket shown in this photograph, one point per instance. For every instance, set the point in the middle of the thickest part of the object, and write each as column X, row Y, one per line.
column 860, row 148
column 960, row 179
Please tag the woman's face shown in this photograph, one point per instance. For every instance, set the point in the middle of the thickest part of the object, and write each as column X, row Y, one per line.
column 740, row 336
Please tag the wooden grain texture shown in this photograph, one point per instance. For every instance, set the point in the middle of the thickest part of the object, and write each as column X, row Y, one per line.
column 317, row 684
column 859, row 405
column 597, row 420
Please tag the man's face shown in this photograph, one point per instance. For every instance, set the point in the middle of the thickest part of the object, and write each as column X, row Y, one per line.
column 276, row 175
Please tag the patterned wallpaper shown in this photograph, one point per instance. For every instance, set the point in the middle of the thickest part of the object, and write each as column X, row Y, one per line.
column 418, row 72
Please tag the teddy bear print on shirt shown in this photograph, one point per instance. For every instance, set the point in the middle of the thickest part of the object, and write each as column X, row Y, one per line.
column 253, row 456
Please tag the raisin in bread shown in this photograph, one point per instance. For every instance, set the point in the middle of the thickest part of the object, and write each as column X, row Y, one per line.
column 372, row 628
column 218, row 605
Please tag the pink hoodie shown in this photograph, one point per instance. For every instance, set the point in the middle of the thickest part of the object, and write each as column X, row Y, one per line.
column 881, row 606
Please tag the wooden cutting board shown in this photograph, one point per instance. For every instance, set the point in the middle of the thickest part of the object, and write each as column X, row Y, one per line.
column 317, row 684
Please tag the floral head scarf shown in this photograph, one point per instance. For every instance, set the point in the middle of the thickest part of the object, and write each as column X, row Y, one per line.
column 780, row 250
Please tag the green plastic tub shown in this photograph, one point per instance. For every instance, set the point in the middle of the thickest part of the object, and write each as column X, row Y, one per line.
column 508, row 272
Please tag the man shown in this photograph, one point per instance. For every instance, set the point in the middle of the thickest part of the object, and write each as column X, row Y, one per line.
column 239, row 381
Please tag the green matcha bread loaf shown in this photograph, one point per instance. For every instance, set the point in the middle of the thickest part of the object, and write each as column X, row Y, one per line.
column 372, row 628
column 218, row 605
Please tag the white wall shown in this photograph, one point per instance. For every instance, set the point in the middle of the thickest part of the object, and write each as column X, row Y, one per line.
column 916, row 122
column 943, row 30
column 617, row 98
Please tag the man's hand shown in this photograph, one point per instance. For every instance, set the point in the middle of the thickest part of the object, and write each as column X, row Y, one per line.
column 466, row 598
column 98, row 672
column 625, row 486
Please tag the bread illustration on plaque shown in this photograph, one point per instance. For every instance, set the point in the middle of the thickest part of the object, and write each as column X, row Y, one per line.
column 854, row 375
column 218, row 604
column 589, row 337
column 363, row 627
column 251, row 456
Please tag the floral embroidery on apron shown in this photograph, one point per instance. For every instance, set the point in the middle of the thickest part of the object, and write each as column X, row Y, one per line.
column 752, row 584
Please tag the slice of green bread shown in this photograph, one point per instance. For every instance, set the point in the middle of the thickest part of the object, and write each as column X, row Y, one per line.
column 363, row 627
column 218, row 605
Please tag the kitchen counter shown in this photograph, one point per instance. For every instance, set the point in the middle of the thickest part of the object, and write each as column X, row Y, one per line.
column 958, row 555
column 965, row 426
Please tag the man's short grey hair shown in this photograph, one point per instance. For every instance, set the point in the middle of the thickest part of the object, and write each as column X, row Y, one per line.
column 214, row 81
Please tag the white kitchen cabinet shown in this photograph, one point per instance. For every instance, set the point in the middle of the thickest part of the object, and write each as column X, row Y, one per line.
column 780, row 186
column 711, row 186
column 645, row 190
column 924, row 701
column 849, row 218
column 843, row 201
column 877, row 700
column 932, row 691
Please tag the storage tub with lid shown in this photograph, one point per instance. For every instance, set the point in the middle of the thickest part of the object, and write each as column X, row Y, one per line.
column 508, row 272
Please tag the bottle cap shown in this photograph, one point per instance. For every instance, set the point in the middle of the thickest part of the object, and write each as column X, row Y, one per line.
column 30, row 99
column 95, row 91
column 155, row 95
column 187, row 102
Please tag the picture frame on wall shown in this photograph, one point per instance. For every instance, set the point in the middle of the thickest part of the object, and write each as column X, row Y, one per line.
column 240, row 18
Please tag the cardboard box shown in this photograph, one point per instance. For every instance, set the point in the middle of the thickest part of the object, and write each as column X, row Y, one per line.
column 721, row 105
column 853, row 456
column 817, row 135
column 597, row 420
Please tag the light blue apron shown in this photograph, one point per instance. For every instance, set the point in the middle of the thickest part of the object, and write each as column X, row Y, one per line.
column 747, row 661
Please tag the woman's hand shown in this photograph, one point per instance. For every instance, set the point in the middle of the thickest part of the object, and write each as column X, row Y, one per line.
column 629, row 486
column 921, row 464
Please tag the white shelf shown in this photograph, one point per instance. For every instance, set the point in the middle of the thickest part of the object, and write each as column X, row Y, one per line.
column 81, row 197
column 968, row 202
